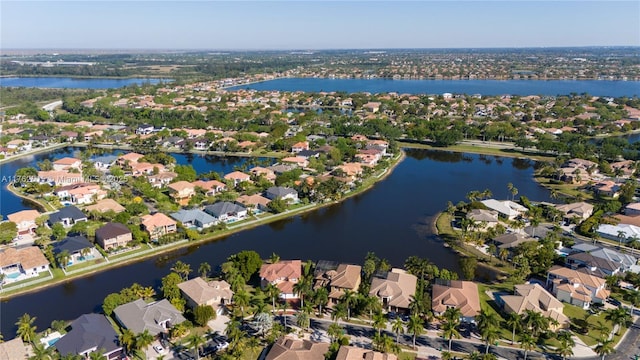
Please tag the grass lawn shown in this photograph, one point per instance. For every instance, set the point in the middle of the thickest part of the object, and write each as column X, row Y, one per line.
column 407, row 355
column 579, row 316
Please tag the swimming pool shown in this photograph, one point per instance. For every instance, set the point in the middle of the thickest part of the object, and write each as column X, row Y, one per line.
column 13, row 276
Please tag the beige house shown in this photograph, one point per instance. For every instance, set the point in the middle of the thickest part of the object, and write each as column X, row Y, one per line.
column 290, row 348
column 580, row 211
column 181, row 190
column 461, row 295
column 14, row 350
column 25, row 221
column 113, row 235
column 358, row 353
column 216, row 294
column 237, row 177
column 105, row 205
column 395, row 290
column 66, row 164
column 535, row 298
column 344, row 277
column 576, row 287
column 210, row 187
column 21, row 264
column 483, row 219
column 158, row 225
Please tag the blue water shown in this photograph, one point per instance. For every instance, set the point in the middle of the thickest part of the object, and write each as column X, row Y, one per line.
column 13, row 275
column 52, row 341
column 483, row 87
column 75, row 83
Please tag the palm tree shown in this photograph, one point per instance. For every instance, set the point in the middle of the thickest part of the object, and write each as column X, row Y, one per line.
column 415, row 327
column 273, row 292
column 475, row 355
column 181, row 269
column 339, row 312
column 535, row 322
column 204, row 269
column 527, row 343
column 619, row 317
column 489, row 334
column 566, row 344
column 97, row 355
column 26, row 329
column 42, row 353
column 398, row 328
column 241, row 299
column 379, row 321
column 503, row 254
column 450, row 331
column 283, row 306
column 334, row 331
column 195, row 340
column 514, row 322
column 302, row 287
column 348, row 298
column 452, row 315
column 303, row 321
column 634, row 298
column 144, row 339
column 127, row 340
column 321, row 298
column 63, row 258
column 604, row 347
column 487, row 319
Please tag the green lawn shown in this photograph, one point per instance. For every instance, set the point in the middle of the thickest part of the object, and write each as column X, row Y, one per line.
column 578, row 317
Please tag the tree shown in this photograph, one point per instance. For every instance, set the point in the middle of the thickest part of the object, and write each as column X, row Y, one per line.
column 195, row 340
column 204, row 270
column 128, row 340
column 144, row 339
column 566, row 344
column 398, row 328
column 262, row 322
column 335, row 331
column 202, row 314
column 26, row 329
column 302, row 287
column 241, row 299
column 171, row 291
column 58, row 231
column 379, row 322
column 512, row 190
column 514, row 322
column 348, row 298
column 42, row 353
column 489, row 334
column 450, row 331
column 468, row 267
column 415, row 327
column 273, row 292
column 277, row 205
column 303, row 321
column 321, row 298
column 527, row 343
column 604, row 347
column 182, row 269
column 247, row 262
column 8, row 232
column 619, row 317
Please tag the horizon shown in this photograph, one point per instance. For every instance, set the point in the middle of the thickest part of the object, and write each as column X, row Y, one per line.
column 315, row 25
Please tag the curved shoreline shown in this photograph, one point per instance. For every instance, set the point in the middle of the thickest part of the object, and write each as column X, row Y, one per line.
column 8, row 294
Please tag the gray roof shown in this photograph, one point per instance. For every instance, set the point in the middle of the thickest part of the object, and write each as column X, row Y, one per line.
column 111, row 230
column 223, row 207
column 139, row 316
column 192, row 215
column 71, row 244
column 68, row 212
column 89, row 331
column 106, row 159
column 616, row 257
column 279, row 191
column 584, row 247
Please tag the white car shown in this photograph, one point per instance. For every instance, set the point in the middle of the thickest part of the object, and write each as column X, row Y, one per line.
column 221, row 346
column 158, row 348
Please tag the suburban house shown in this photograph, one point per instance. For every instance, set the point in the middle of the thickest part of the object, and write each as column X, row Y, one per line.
column 161, row 179
column 67, row 216
column 506, row 209
column 78, row 248
column 283, row 274
column 14, row 349
column 300, row 146
column 105, row 205
column 255, row 203
column 344, row 277
column 25, row 221
column 457, row 294
column 215, row 293
column 85, row 193
column 632, row 209
column 395, row 290
column 89, row 333
column 158, row 225
column 58, row 178
column 103, row 163
column 291, row 348
column 237, row 177
column 620, row 232
column 625, row 261
column 511, row 240
column 210, row 187
column 298, row 161
column 144, row 129
column 261, row 171
column 484, row 219
column 579, row 211
column 576, row 287
column 194, row 218
column 156, row 317
column 113, row 235
column 226, row 211
column 20, row 264
column 181, row 191
column 288, row 194
column 129, row 158
column 67, row 163
column 535, row 298
column 348, row 352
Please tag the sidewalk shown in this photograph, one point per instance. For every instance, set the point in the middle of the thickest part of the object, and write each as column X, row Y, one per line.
column 581, row 350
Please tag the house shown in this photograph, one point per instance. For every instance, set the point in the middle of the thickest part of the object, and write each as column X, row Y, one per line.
column 57, row 178
column 511, row 240
column 103, row 163
column 144, row 168
column 579, row 211
column 67, row 163
column 607, row 188
column 19, row 145
column 78, row 248
column 194, row 218
column 347, row 352
column 597, row 266
column 534, row 297
column 288, row 194
column 161, row 179
column 105, row 205
column 620, row 232
column 67, row 216
column 237, row 177
column 129, row 158
column 85, row 193
column 113, row 235
column 291, row 348
column 484, row 219
column 284, row 274
column 261, row 171
column 144, row 129
column 215, row 293
column 576, row 287
column 226, row 211
column 210, row 187
column 372, row 107
column 457, row 294
column 156, row 317
column 344, row 277
column 181, row 190
column 507, row 209
column 89, row 333
column 632, row 209
column 298, row 161
column 255, row 203
column 394, row 290
column 14, row 349
column 25, row 221
column 20, row 264
column 300, row 146
column 158, row 225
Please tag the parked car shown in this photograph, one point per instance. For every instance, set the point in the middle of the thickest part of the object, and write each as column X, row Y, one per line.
column 164, row 343
column 158, row 348
column 614, row 302
column 221, row 346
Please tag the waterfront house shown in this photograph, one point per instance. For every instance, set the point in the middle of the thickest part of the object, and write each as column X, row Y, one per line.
column 156, row 317
column 67, row 163
column 506, row 209
column 215, row 293
column 607, row 188
column 210, row 187
column 457, row 294
column 483, row 219
column 144, row 129
column 284, row 274
column 281, row 168
column 255, row 203
column 161, row 179
column 534, row 297
column 144, row 168
column 58, row 178
column 344, row 277
column 20, row 145
column 261, row 171
column 625, row 261
column 620, row 232
column 300, row 146
column 577, row 212
column 14, row 349
column 90, row 333
column 105, row 205
column 347, row 352
column 226, row 211
column 194, row 218
column 25, row 221
column 287, row 194
column 158, row 225
column 372, row 107
column 67, row 216
column 181, row 191
column 586, row 262
column 576, row 287
column 292, row 348
column 394, row 290
column 511, row 240
column 129, row 158
column 85, row 193
column 632, row 209
column 113, row 235
column 103, row 163
column 298, row 161
column 237, row 177
column 78, row 248
column 20, row 264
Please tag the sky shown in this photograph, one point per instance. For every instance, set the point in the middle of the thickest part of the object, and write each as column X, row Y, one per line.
column 311, row 25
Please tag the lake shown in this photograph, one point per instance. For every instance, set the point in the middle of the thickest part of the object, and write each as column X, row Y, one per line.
column 75, row 83
column 483, row 87
column 393, row 219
